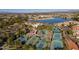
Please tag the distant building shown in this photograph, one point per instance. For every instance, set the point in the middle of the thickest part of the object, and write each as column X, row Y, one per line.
column 34, row 24
column 66, row 23
column 76, row 31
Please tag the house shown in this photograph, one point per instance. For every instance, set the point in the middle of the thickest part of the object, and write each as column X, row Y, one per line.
column 32, row 32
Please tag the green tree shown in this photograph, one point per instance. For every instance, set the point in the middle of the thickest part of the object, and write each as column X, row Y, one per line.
column 70, row 32
column 18, row 44
column 0, row 41
column 26, row 18
column 10, row 41
column 75, row 17
column 25, row 47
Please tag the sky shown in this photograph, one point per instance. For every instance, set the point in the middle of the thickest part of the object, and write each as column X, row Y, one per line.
column 34, row 10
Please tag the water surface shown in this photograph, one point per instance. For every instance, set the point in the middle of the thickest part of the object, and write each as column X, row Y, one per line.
column 53, row 20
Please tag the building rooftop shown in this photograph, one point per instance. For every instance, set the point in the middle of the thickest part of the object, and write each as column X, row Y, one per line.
column 33, row 40
column 57, row 44
column 57, row 36
column 41, row 44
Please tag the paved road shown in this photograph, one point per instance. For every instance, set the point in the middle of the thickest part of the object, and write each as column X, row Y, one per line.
column 70, row 44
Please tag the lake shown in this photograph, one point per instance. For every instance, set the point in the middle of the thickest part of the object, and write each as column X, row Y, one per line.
column 53, row 20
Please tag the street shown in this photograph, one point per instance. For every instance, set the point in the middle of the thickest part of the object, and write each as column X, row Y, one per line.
column 69, row 43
